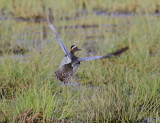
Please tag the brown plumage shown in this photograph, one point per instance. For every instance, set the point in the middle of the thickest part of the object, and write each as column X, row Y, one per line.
column 64, row 74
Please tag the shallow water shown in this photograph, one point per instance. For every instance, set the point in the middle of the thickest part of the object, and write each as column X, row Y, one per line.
column 34, row 36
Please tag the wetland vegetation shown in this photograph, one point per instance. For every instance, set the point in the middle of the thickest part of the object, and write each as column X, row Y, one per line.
column 120, row 89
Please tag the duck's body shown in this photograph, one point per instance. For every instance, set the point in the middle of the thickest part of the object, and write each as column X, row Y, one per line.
column 68, row 67
column 64, row 74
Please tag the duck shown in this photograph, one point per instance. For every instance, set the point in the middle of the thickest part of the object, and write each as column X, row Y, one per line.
column 67, row 60
column 71, row 62
column 68, row 66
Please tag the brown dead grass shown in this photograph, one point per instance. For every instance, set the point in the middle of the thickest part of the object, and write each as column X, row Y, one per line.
column 29, row 116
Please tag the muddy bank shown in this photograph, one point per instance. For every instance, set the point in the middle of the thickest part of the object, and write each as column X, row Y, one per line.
column 15, row 50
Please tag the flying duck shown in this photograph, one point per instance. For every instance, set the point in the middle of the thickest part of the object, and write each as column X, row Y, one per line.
column 70, row 62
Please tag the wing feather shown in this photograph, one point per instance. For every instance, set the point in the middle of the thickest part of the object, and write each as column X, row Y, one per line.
column 52, row 27
column 118, row 52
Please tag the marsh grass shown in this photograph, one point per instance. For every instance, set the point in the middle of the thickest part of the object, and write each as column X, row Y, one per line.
column 120, row 89
column 70, row 8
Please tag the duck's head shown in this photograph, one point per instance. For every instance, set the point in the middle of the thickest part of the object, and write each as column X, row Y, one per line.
column 74, row 48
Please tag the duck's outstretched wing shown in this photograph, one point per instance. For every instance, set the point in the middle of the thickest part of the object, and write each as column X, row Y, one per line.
column 51, row 25
column 118, row 52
